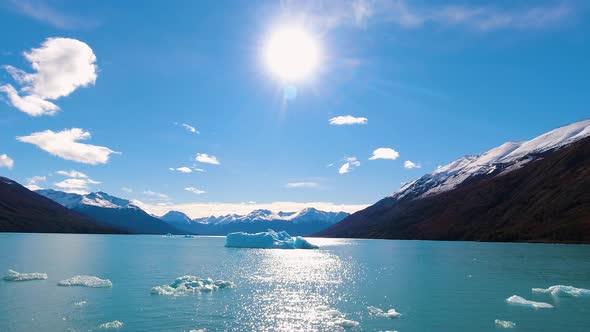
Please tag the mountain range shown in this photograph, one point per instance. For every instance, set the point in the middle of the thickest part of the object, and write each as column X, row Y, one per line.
column 537, row 190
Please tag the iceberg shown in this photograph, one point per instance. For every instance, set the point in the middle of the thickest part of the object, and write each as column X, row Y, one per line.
column 335, row 317
column 111, row 325
column 267, row 240
column 515, row 299
column 17, row 276
column 504, row 324
column 561, row 290
column 391, row 313
column 86, row 281
column 190, row 284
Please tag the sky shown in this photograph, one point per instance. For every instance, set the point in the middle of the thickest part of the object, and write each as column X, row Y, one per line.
column 178, row 104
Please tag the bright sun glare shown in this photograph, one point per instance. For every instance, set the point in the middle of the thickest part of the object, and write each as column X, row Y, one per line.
column 292, row 54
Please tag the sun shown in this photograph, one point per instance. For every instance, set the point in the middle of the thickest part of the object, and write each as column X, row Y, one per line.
column 292, row 54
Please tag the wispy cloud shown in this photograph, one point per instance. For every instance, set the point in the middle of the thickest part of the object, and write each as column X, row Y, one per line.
column 350, row 164
column 76, row 185
column 186, row 169
column 410, row 164
column 33, row 182
column 6, row 161
column 72, row 174
column 42, row 12
column 347, row 120
column 61, row 66
column 195, row 190
column 384, row 153
column 188, row 127
column 207, row 159
column 156, row 194
column 127, row 190
column 64, row 144
column 302, row 185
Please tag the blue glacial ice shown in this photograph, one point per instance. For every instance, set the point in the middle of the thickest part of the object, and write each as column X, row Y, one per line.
column 111, row 325
column 517, row 300
column 561, row 290
column 18, row 276
column 505, row 324
column 86, row 281
column 391, row 313
column 267, row 240
column 190, row 284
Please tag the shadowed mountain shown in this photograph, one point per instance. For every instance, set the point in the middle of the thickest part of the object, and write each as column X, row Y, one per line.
column 535, row 191
column 22, row 210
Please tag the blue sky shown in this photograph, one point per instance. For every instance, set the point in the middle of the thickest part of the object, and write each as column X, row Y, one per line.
column 435, row 80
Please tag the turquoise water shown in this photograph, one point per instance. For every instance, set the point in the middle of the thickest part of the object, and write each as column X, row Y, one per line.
column 437, row 286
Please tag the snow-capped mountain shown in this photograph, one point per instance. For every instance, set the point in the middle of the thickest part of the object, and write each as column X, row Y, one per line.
column 111, row 211
column 500, row 160
column 297, row 223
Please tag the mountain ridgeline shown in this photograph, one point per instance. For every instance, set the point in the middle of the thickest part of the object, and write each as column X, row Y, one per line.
column 533, row 191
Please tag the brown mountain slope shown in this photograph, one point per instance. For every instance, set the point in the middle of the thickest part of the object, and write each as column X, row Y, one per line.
column 547, row 200
column 22, row 210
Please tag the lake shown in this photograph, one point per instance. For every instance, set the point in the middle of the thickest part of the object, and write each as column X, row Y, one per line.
column 436, row 286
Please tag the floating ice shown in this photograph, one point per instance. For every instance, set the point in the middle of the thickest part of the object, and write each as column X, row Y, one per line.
column 111, row 325
column 560, row 290
column 17, row 276
column 267, row 240
column 335, row 317
column 80, row 304
column 199, row 330
column 515, row 299
column 391, row 313
column 86, row 281
column 505, row 324
column 190, row 284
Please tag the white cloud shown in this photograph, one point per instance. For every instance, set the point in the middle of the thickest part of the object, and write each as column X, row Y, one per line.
column 127, row 190
column 61, row 66
column 410, row 164
column 350, row 164
column 302, row 185
column 182, row 169
column 64, row 145
column 207, row 159
column 189, row 128
column 156, row 194
column 72, row 174
column 33, row 182
column 6, row 161
column 347, row 120
column 196, row 210
column 41, row 11
column 195, row 190
column 384, row 153
column 76, row 185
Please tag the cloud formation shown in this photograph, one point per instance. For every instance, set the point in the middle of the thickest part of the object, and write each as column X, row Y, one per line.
column 33, row 182
column 6, row 161
column 384, row 153
column 195, row 190
column 64, row 144
column 410, row 164
column 76, row 185
column 190, row 128
column 350, row 164
column 302, row 185
column 207, row 159
column 347, row 120
column 42, row 12
column 156, row 194
column 72, row 174
column 61, row 65
column 182, row 169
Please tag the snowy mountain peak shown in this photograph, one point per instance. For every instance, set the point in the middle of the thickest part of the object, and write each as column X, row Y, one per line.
column 500, row 160
column 176, row 217
column 100, row 199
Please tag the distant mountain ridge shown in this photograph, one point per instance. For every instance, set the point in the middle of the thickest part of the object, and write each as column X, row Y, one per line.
column 535, row 190
column 306, row 221
column 111, row 211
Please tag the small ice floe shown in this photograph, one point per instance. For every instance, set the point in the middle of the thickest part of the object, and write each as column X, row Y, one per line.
column 190, row 284
column 111, row 325
column 267, row 240
column 391, row 313
column 17, row 276
column 335, row 317
column 505, row 324
column 80, row 303
column 86, row 281
column 561, row 290
column 188, row 236
column 517, row 300
column 199, row 330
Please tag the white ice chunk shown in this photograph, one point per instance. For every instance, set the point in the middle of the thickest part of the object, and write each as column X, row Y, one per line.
column 391, row 313
column 561, row 290
column 515, row 299
column 17, row 276
column 335, row 317
column 190, row 284
column 111, row 325
column 86, row 281
column 267, row 240
column 505, row 324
